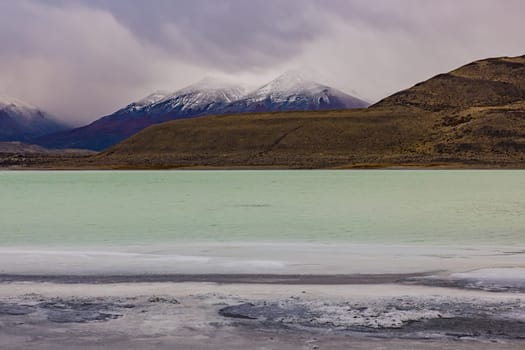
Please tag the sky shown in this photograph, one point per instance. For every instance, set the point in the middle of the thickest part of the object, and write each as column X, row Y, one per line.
column 83, row 59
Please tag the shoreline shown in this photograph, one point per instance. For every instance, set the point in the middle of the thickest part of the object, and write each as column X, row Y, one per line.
column 97, row 299
column 255, row 258
column 271, row 279
column 477, row 280
column 267, row 296
column 493, row 269
column 70, row 162
column 372, row 166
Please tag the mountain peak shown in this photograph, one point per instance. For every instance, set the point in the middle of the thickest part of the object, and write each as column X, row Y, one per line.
column 6, row 101
column 152, row 98
column 210, row 81
column 210, row 84
column 209, row 96
column 293, row 75
column 289, row 81
column 20, row 120
column 293, row 91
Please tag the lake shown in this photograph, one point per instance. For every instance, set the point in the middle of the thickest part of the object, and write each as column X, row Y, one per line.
column 108, row 208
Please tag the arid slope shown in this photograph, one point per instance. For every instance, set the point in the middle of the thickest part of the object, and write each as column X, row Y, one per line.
column 472, row 116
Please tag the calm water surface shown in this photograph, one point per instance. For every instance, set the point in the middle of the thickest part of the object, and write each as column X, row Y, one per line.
column 150, row 207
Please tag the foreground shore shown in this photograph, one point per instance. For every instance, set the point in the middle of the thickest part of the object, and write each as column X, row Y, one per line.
column 40, row 315
column 263, row 296
column 242, row 295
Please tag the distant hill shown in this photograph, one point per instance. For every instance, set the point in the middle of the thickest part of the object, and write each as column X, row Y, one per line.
column 472, row 116
column 15, row 154
column 17, row 147
column 20, row 148
column 20, row 121
column 207, row 97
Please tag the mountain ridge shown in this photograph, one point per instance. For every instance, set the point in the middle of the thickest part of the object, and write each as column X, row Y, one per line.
column 292, row 92
column 473, row 116
column 21, row 121
column 206, row 97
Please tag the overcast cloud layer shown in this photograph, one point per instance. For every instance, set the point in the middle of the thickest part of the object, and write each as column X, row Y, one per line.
column 81, row 59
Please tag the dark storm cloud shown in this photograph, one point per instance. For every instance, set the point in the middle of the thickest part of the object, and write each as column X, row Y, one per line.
column 232, row 34
column 84, row 58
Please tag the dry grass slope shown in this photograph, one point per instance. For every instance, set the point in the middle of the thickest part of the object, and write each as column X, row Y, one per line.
column 472, row 116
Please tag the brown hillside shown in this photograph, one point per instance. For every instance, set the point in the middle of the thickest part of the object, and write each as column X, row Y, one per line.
column 294, row 139
column 490, row 82
column 472, row 116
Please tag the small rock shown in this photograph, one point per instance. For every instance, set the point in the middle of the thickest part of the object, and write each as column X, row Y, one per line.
column 160, row 299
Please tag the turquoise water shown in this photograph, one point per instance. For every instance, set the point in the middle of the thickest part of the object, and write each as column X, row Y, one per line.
column 144, row 207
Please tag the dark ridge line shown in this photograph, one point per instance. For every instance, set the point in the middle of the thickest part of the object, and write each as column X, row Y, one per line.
column 293, row 279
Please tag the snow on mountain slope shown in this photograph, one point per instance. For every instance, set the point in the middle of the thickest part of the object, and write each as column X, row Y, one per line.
column 147, row 101
column 207, row 95
column 16, row 108
column 20, row 121
column 292, row 91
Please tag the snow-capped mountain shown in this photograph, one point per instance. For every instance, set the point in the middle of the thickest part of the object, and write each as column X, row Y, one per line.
column 292, row 92
column 206, row 97
column 20, row 121
column 147, row 101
